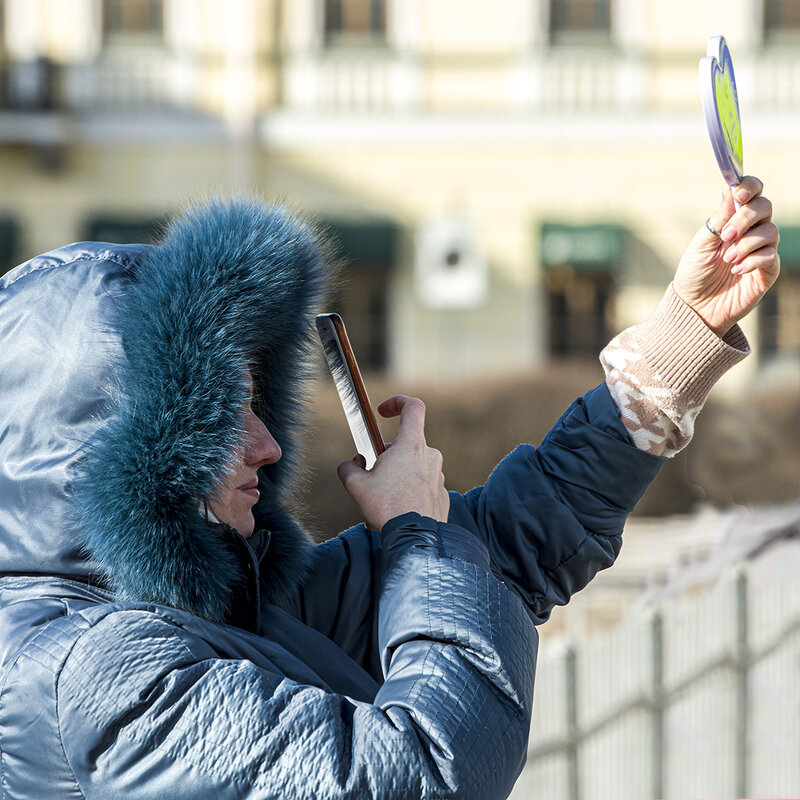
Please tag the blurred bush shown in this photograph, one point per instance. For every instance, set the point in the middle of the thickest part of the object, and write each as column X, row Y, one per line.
column 748, row 452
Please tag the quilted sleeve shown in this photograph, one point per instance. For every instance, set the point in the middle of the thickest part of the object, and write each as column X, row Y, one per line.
column 147, row 710
column 552, row 516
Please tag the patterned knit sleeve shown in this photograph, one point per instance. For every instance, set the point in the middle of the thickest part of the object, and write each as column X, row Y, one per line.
column 660, row 372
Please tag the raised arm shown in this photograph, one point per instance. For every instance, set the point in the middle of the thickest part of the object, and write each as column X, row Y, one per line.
column 661, row 371
column 553, row 517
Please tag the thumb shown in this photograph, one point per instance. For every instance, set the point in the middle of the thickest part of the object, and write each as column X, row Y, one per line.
column 348, row 471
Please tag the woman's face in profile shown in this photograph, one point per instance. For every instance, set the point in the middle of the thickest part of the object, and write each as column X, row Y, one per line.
column 233, row 503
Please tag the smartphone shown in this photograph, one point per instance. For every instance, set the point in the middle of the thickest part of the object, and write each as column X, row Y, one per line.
column 350, row 385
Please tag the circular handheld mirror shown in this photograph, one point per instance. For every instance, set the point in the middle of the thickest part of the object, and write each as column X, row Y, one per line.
column 721, row 108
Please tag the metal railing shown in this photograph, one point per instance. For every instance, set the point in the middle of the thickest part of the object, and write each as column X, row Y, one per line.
column 698, row 697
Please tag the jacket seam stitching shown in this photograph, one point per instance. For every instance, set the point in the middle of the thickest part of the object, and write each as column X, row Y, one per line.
column 26, row 580
column 81, row 685
column 2, row 754
column 60, row 264
column 143, row 740
column 57, row 677
column 56, row 697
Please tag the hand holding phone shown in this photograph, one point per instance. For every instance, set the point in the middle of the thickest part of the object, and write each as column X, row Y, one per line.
column 409, row 477
column 350, row 386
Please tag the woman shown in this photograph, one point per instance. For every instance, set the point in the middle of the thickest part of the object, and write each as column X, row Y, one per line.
column 166, row 627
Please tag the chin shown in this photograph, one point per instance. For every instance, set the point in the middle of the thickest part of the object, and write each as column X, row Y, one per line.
column 245, row 524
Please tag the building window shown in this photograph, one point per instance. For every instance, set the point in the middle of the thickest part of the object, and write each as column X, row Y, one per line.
column 779, row 317
column 779, row 311
column 580, row 312
column 781, row 20
column 580, row 267
column 367, row 250
column 123, row 17
column 579, row 20
column 363, row 305
column 125, row 230
column 352, row 21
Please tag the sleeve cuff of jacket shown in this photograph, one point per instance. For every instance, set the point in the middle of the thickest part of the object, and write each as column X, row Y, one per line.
column 684, row 352
column 412, row 530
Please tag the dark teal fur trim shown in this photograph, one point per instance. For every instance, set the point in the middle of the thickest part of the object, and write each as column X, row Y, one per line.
column 232, row 285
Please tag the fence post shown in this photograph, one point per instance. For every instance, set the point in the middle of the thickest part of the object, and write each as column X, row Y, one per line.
column 573, row 737
column 658, row 701
column 741, row 665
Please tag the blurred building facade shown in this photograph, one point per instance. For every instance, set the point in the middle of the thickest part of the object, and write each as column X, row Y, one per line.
column 504, row 182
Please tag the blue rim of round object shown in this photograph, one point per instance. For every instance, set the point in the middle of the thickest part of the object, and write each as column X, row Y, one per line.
column 718, row 58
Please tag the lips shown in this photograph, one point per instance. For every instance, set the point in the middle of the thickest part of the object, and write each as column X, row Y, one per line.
column 250, row 489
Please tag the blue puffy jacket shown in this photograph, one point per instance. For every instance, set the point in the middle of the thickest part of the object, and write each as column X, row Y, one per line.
column 147, row 652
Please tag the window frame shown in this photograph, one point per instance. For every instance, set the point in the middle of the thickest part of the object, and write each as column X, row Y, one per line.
column 153, row 33
column 579, row 36
column 338, row 36
column 773, row 34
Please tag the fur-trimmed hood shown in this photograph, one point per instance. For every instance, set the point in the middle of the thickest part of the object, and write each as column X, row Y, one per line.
column 121, row 383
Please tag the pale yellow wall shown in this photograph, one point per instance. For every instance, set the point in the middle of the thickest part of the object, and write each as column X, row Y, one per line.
column 300, row 29
column 649, row 168
column 679, row 25
column 467, row 53
column 455, row 27
column 197, row 27
column 69, row 29
column 468, row 86
column 123, row 179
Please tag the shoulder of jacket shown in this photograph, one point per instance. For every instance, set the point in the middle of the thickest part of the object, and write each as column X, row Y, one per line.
column 51, row 645
column 113, row 631
column 123, row 651
column 81, row 672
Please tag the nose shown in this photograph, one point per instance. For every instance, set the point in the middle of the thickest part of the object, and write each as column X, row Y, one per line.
column 260, row 445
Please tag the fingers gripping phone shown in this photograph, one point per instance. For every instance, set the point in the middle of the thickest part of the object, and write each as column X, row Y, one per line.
column 349, row 384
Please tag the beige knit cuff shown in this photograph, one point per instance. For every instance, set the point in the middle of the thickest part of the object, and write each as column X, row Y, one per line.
column 683, row 353
column 660, row 372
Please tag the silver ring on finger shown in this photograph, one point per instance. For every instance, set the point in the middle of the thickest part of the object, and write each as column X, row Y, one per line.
column 711, row 229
